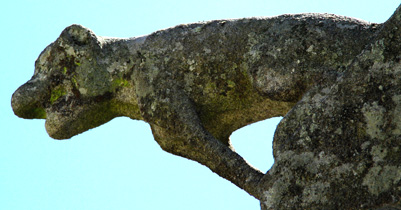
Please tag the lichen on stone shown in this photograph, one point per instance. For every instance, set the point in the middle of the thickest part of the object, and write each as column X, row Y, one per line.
column 335, row 80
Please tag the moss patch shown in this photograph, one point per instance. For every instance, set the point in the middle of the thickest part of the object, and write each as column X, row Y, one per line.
column 39, row 113
column 57, row 93
column 74, row 81
column 120, row 83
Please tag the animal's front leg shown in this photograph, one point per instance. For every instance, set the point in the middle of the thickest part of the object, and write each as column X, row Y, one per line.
column 181, row 133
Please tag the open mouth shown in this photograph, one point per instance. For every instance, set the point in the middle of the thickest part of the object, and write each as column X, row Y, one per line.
column 64, row 117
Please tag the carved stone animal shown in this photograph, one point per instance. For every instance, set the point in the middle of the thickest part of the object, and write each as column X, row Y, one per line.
column 195, row 84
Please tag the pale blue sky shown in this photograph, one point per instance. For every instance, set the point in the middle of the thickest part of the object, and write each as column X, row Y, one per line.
column 119, row 165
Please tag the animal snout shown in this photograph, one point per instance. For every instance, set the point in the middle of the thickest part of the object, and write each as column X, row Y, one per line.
column 27, row 100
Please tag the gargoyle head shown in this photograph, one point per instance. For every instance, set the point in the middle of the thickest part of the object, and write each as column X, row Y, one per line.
column 73, row 87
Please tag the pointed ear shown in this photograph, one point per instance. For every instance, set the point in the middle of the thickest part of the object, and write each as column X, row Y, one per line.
column 79, row 35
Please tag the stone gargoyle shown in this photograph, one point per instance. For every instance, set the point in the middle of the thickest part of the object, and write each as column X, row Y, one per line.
column 336, row 81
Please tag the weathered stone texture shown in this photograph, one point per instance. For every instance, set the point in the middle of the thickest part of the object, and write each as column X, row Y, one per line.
column 336, row 81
